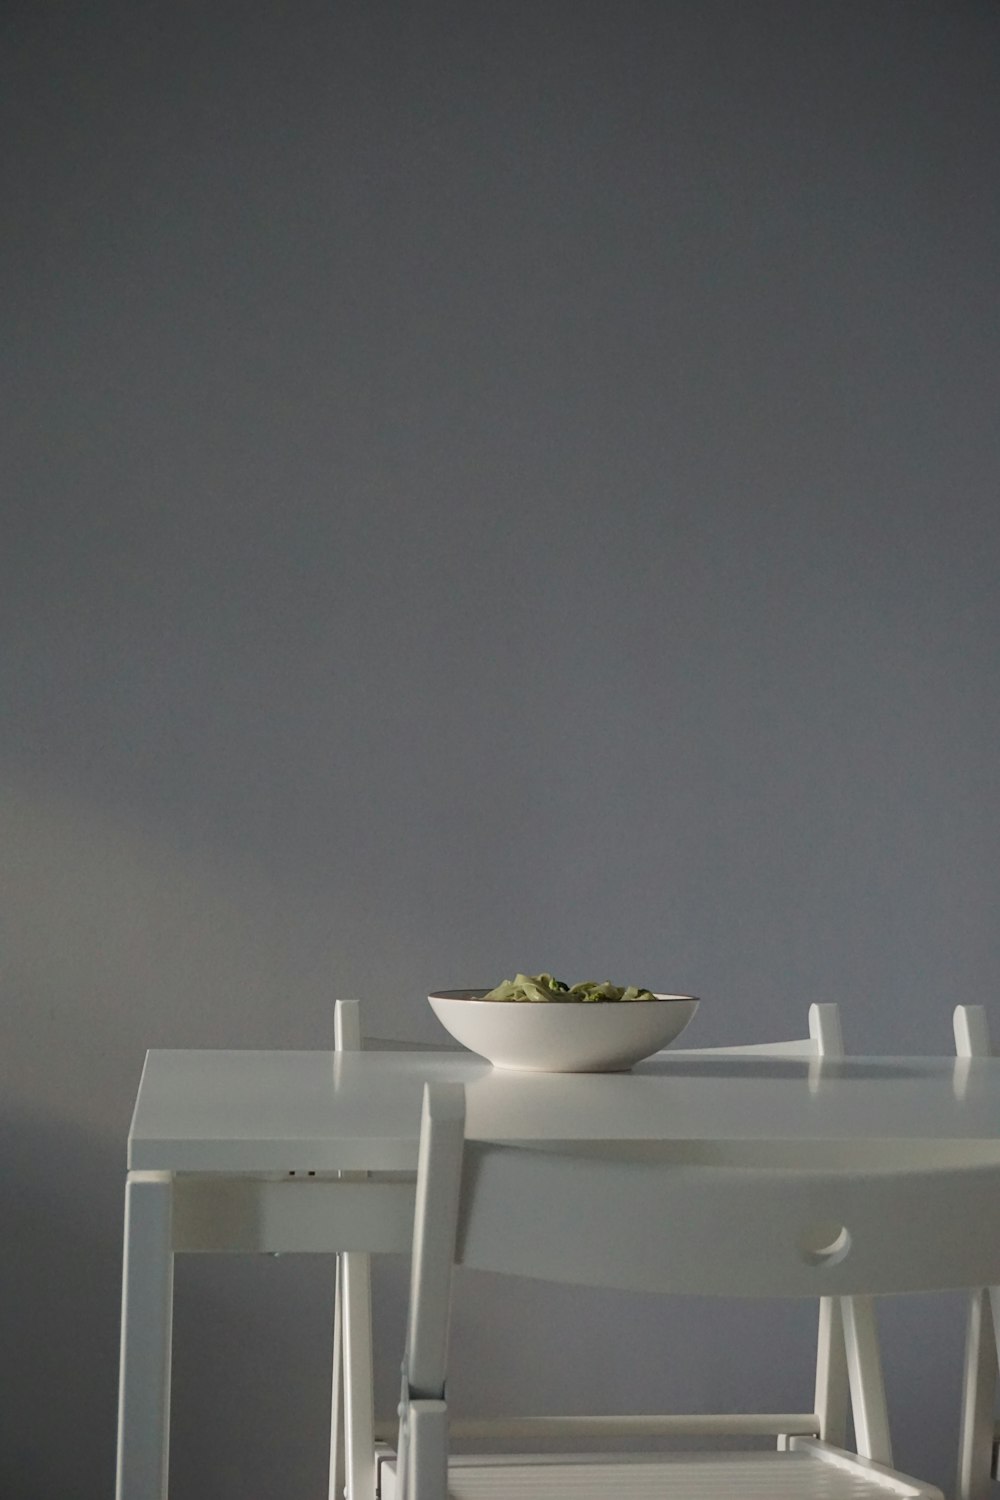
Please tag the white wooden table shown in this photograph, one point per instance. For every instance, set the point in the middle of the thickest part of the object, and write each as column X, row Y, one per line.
column 242, row 1151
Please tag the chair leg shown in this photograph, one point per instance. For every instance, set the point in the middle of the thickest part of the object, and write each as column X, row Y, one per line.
column 831, row 1374
column 979, row 1381
column 335, row 1489
column 427, row 1451
column 864, row 1368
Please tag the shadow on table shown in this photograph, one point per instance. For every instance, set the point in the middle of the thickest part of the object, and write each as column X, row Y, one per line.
column 761, row 1066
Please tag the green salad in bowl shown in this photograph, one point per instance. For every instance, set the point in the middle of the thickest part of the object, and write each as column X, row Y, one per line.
column 541, row 987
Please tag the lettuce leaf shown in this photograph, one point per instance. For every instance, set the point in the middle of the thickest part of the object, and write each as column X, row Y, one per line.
column 544, row 987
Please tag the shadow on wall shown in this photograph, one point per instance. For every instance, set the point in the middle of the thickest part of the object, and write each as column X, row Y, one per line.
column 60, row 1267
column 115, row 939
column 119, row 935
column 252, row 1335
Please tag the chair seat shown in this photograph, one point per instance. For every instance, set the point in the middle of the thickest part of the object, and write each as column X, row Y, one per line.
column 811, row 1471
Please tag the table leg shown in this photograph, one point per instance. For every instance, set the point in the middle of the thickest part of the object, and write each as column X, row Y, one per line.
column 359, row 1419
column 147, row 1307
column 979, row 1383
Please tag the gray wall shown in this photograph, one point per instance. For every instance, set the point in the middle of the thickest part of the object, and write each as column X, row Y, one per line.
column 485, row 487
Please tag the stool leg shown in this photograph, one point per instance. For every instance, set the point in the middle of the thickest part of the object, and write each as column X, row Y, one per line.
column 146, row 1329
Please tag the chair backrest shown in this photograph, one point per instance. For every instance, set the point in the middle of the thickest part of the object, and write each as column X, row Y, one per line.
column 663, row 1226
column 825, row 1039
column 559, row 1216
column 349, row 1035
column 972, row 1031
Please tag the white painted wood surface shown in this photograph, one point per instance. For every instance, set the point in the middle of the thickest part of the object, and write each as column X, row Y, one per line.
column 147, row 1322
column 796, row 1475
column 260, row 1112
column 353, row 1349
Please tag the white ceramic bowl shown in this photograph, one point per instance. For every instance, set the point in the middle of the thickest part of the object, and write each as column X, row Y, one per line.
column 562, row 1036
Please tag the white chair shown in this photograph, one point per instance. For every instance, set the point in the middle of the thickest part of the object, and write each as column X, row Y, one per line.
column 359, row 1442
column 693, row 1229
column 979, row 1432
column 355, row 1438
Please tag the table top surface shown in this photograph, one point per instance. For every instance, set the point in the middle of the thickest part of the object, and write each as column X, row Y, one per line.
column 275, row 1112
